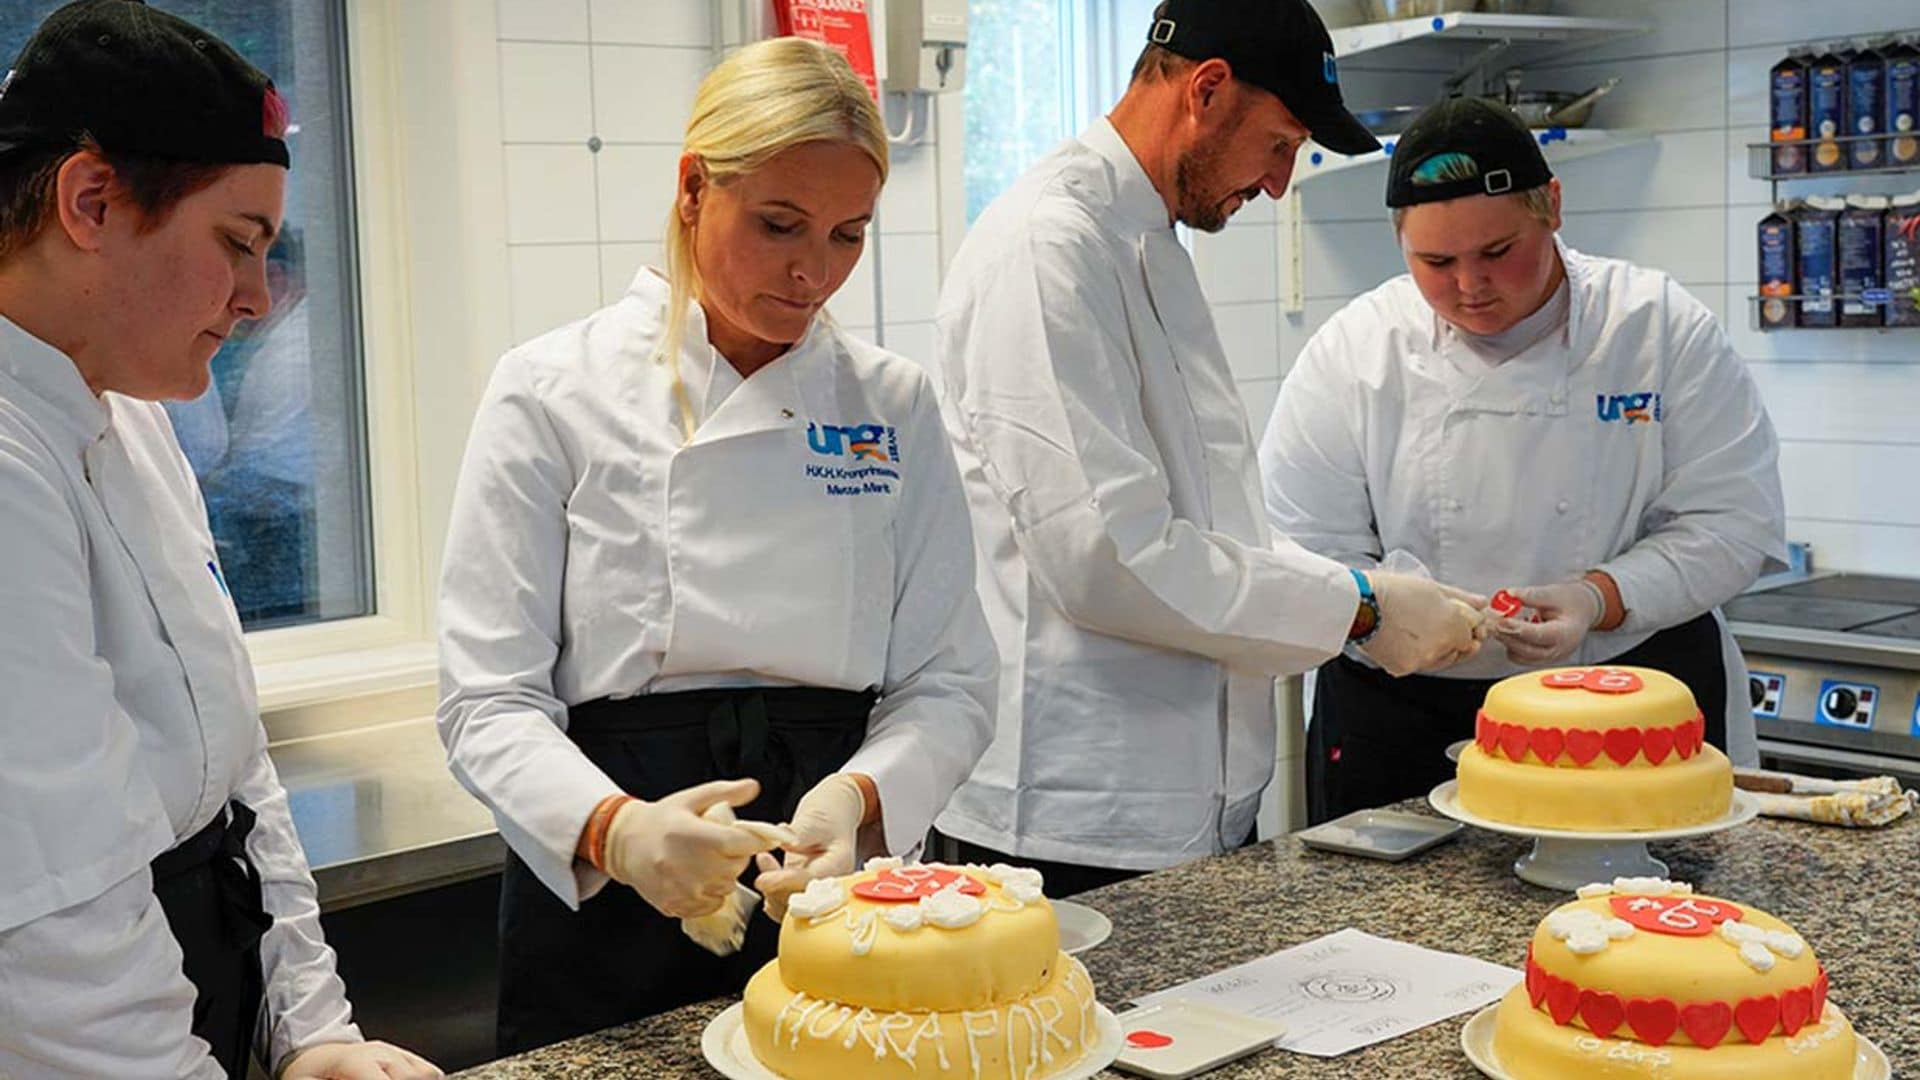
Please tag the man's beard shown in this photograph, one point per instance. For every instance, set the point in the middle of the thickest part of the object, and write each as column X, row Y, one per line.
column 1197, row 208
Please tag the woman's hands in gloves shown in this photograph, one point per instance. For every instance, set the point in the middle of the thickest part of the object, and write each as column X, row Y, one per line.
column 1424, row 625
column 678, row 861
column 358, row 1061
column 827, row 825
column 1567, row 611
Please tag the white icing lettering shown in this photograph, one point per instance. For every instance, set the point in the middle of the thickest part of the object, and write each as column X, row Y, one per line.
column 861, row 930
column 1041, row 1005
column 800, row 1022
column 854, row 1030
column 974, row 1034
column 838, row 1017
column 895, row 1022
column 1826, row 1032
column 1016, row 1009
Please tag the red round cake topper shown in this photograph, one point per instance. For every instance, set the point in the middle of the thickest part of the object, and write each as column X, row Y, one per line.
column 1679, row 916
column 905, row 883
column 1570, row 679
column 1612, row 681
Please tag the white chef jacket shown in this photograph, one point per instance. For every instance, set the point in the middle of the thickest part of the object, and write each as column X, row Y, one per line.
column 1139, row 604
column 127, row 722
column 1632, row 440
column 813, row 533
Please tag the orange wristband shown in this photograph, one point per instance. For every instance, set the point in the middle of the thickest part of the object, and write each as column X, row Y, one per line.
column 593, row 838
column 1614, row 609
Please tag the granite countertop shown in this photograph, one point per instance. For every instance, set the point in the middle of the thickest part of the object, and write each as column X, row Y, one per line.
column 1854, row 894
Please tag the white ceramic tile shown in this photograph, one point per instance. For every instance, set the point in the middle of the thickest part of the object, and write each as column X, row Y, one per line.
column 1682, row 169
column 853, row 304
column 1688, row 244
column 910, row 202
column 654, row 22
column 911, row 265
column 636, row 192
column 1864, row 482
column 1666, row 93
column 1870, row 549
column 542, row 20
column 552, row 284
column 1790, row 22
column 1237, row 265
column 1358, row 194
column 1343, row 259
column 915, row 341
column 620, row 262
column 643, row 94
column 1678, row 26
column 1869, row 402
column 550, row 195
column 545, row 95
column 1258, row 395
column 1247, row 333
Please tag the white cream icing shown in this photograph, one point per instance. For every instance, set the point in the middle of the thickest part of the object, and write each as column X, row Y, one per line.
column 951, row 909
column 904, row 918
column 1757, row 956
column 821, row 897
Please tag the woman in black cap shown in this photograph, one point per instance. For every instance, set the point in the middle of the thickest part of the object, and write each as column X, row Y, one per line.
column 1513, row 414
column 156, row 913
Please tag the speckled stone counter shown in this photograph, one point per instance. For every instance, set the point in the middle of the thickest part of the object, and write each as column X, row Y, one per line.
column 1854, row 894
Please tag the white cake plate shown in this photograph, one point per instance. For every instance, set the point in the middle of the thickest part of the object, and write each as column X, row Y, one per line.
column 1869, row 1063
column 724, row 1042
column 1564, row 859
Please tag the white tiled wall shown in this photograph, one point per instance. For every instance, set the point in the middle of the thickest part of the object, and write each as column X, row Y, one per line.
column 1847, row 404
column 581, row 222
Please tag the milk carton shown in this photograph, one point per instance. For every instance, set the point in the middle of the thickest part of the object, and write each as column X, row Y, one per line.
column 1857, row 242
column 1866, row 107
column 1788, row 93
column 1814, row 225
column 1827, row 110
column 1903, row 103
column 1776, row 269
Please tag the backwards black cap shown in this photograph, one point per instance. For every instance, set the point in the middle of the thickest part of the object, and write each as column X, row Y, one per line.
column 1280, row 46
column 140, row 81
column 1500, row 154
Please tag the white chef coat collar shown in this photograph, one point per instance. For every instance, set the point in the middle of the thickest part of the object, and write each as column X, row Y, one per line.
column 52, row 375
column 1135, row 198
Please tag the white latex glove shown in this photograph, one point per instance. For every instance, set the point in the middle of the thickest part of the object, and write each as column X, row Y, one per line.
column 1567, row 612
column 826, row 825
column 676, row 860
column 358, row 1061
column 1424, row 625
column 723, row 930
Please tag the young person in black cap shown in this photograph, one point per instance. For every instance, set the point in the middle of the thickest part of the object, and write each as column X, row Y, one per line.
column 156, row 914
column 1139, row 602
column 1515, row 414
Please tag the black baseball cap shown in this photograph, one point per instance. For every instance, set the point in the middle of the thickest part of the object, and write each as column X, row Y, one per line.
column 1505, row 155
column 140, row 81
column 1280, row 46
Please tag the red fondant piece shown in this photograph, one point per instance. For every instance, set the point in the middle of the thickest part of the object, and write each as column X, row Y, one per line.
column 1536, row 980
column 1486, row 733
column 1657, row 743
column 1612, row 681
column 1706, row 1023
column 1756, row 1016
column 1653, row 1019
column 1685, row 742
column 1570, row 679
column 1796, row 1006
column 1679, row 916
column 1583, row 745
column 1819, row 996
column 904, row 883
column 1602, row 1011
column 1147, row 1039
column 1513, row 739
column 1622, row 744
column 1546, row 743
column 1563, row 999
column 1505, row 604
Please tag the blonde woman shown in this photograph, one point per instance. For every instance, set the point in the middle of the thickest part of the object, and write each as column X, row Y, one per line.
column 707, row 548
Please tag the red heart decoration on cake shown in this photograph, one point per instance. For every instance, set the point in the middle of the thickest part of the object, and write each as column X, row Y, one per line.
column 1536, row 980
column 1147, row 1039
column 1486, row 733
column 1569, row 679
column 1683, row 743
column 1756, row 1016
column 1513, row 739
column 1602, row 1011
column 1658, row 744
column 1706, row 1023
column 1820, row 995
column 1546, row 743
column 1678, row 916
column 1622, row 744
column 1611, row 681
column 1795, row 1007
column 1584, row 745
column 1563, row 1000
column 1653, row 1019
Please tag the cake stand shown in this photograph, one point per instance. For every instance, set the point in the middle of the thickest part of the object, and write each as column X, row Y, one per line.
column 1476, row 1038
column 725, row 1046
column 1564, row 859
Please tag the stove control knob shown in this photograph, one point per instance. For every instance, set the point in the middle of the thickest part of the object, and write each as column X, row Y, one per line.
column 1841, row 703
column 1756, row 691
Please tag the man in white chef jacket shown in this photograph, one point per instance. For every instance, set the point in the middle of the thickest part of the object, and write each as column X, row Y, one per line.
column 1514, row 414
column 157, row 918
column 1139, row 604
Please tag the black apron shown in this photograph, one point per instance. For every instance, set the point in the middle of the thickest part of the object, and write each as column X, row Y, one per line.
column 210, row 894
column 1375, row 739
column 565, row 973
